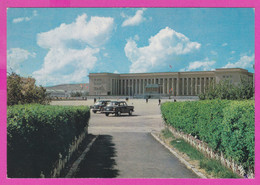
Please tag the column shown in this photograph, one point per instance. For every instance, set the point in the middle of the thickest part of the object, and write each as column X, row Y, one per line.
column 117, row 89
column 182, row 86
column 114, row 87
column 135, row 86
column 178, row 86
column 191, row 85
column 143, row 86
column 121, row 87
column 125, row 87
column 205, row 84
column 200, row 85
column 196, row 86
column 187, row 83
column 140, row 86
column 163, row 88
column 111, row 86
column 168, row 86
column 174, row 86
column 128, row 84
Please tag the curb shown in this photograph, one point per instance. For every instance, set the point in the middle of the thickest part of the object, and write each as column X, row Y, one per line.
column 75, row 165
column 182, row 160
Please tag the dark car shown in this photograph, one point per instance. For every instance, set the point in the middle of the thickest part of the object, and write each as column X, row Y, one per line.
column 117, row 108
column 99, row 105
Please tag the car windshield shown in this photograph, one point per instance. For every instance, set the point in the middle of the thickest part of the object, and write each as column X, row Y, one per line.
column 112, row 103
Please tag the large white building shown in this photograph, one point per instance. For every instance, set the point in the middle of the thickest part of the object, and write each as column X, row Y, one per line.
column 168, row 83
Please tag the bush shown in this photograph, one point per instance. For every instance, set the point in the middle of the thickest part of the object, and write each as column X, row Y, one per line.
column 36, row 134
column 227, row 126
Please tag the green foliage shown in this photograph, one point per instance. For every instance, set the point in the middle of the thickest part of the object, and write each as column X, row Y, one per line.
column 212, row 166
column 23, row 90
column 186, row 148
column 216, row 168
column 167, row 133
column 227, row 126
column 36, row 134
column 76, row 94
column 229, row 91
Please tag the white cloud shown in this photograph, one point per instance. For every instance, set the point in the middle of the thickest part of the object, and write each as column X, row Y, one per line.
column 204, row 65
column 95, row 32
column 135, row 20
column 15, row 57
column 106, row 55
column 136, row 37
column 65, row 63
column 224, row 44
column 26, row 19
column 213, row 52
column 116, row 72
column 232, row 52
column 244, row 62
column 165, row 44
column 35, row 13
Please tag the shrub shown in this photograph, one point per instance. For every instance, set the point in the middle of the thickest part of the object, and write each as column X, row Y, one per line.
column 36, row 134
column 227, row 126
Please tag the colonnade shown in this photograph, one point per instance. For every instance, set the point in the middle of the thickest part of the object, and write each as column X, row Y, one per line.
column 183, row 86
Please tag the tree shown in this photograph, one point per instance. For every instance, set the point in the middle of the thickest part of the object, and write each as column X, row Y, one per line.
column 23, row 90
column 229, row 91
column 76, row 94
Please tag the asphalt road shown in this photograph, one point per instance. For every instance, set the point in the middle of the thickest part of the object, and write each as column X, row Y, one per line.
column 125, row 148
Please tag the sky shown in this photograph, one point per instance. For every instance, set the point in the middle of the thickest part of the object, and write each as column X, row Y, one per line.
column 63, row 45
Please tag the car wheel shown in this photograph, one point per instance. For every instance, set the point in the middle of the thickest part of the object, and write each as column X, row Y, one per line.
column 118, row 113
column 130, row 113
column 107, row 114
column 94, row 111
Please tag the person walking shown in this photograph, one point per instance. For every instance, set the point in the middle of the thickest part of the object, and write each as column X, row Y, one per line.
column 159, row 102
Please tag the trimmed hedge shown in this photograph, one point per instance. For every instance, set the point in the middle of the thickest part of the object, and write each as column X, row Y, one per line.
column 36, row 134
column 227, row 126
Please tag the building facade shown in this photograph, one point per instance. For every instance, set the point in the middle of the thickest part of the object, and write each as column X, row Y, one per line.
column 169, row 83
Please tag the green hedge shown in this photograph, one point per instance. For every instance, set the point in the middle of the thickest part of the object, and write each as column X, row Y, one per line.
column 227, row 126
column 36, row 134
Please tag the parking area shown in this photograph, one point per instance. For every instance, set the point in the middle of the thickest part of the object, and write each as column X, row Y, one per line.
column 136, row 154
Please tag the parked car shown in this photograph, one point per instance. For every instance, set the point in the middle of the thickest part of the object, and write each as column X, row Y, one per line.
column 117, row 108
column 99, row 106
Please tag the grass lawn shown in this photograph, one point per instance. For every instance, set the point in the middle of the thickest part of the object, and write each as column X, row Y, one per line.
column 211, row 166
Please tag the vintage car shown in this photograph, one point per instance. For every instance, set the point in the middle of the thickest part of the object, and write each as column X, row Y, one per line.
column 117, row 108
column 99, row 106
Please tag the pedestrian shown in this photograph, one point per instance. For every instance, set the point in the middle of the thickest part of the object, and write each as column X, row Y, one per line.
column 174, row 100
column 95, row 100
column 159, row 102
column 146, row 100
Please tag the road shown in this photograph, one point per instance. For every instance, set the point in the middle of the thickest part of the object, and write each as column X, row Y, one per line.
column 125, row 148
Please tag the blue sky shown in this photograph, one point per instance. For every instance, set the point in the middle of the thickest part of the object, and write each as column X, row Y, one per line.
column 64, row 45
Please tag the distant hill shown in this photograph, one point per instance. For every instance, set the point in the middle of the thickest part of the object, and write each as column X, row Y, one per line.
column 70, row 87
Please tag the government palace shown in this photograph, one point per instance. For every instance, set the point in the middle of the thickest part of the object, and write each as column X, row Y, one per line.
column 162, row 83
